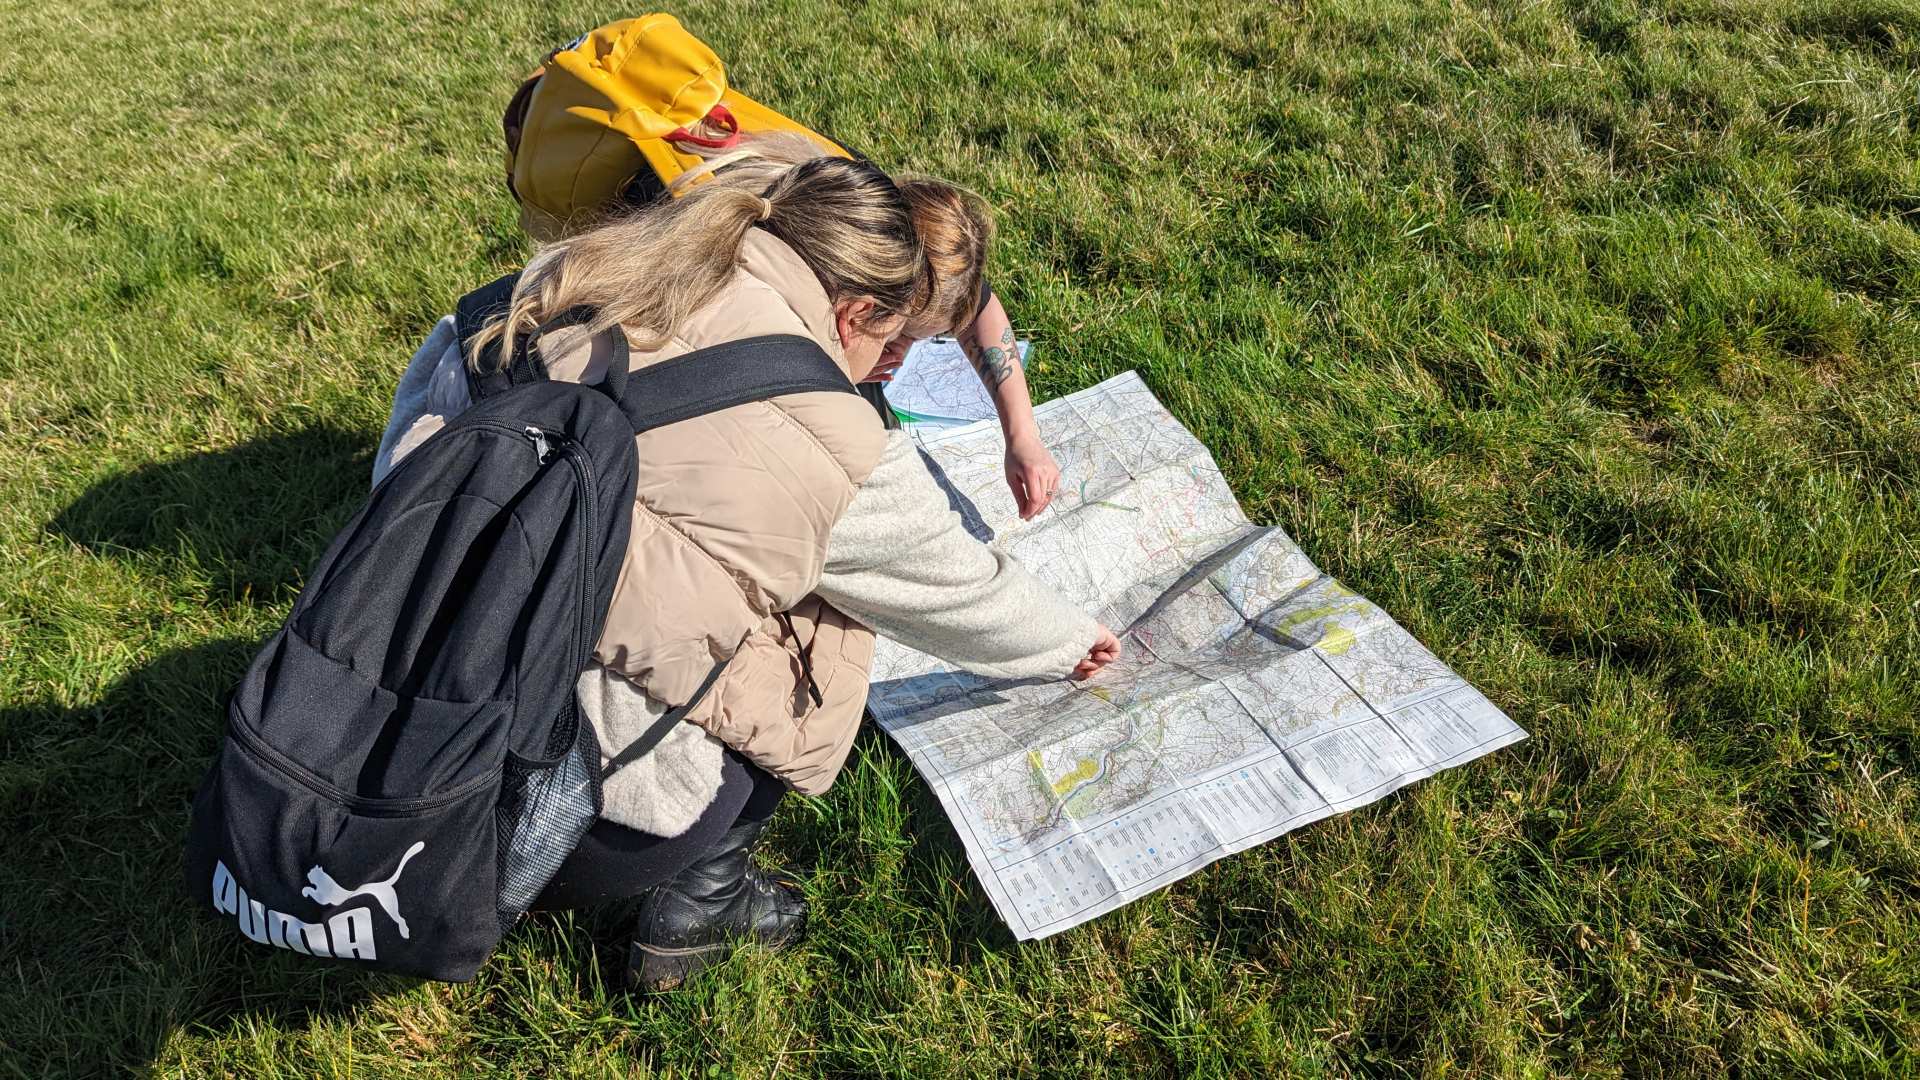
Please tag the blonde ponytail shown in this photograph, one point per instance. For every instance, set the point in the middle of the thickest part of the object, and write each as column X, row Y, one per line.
column 650, row 271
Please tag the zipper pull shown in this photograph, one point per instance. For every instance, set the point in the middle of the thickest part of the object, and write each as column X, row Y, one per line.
column 541, row 447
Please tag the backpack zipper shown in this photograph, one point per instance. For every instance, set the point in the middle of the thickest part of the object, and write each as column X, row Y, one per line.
column 260, row 750
column 547, row 444
column 541, row 448
column 583, row 466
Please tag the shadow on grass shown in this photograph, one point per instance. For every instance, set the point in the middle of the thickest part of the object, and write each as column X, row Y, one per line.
column 107, row 955
column 250, row 520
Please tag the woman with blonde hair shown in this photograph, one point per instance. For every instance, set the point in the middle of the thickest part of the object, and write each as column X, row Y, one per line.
column 770, row 541
column 956, row 228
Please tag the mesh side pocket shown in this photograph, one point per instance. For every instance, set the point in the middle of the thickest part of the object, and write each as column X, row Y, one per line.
column 543, row 813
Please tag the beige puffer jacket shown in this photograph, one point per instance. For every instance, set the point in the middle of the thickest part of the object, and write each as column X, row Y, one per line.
column 730, row 524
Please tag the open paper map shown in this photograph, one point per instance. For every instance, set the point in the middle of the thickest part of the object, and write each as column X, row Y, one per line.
column 1255, row 695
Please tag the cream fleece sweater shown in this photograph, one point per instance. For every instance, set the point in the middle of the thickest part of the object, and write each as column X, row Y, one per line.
column 899, row 560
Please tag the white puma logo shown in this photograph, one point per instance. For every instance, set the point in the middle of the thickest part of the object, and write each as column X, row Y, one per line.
column 327, row 892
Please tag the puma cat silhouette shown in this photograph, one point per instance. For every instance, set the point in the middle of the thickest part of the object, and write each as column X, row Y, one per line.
column 328, row 892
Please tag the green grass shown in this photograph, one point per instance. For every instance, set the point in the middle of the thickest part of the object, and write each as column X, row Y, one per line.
column 1580, row 336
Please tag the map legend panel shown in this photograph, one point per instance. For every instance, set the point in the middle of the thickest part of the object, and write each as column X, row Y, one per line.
column 1445, row 726
column 1153, row 841
column 1241, row 804
column 1354, row 762
column 1058, row 883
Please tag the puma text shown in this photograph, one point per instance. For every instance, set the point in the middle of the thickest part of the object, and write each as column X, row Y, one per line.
column 347, row 934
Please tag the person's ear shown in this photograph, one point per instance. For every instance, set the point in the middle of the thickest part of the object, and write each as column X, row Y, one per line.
column 849, row 316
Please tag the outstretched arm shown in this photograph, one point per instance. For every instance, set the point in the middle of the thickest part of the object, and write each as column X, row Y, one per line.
column 1031, row 471
column 901, row 561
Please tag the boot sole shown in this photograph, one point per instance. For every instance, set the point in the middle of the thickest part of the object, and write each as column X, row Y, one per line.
column 654, row 968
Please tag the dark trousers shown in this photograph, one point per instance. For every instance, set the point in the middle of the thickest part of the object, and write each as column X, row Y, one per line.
column 615, row 862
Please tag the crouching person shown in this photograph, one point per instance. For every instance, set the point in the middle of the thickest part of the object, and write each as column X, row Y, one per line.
column 770, row 541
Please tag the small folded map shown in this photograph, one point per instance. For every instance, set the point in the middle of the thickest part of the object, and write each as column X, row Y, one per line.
column 1256, row 694
column 937, row 388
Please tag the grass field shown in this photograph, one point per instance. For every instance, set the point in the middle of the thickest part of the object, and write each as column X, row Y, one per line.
column 1580, row 336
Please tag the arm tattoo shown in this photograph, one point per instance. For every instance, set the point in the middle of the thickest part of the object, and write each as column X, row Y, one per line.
column 995, row 363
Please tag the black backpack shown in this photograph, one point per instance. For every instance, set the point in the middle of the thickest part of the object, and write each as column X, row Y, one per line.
column 406, row 765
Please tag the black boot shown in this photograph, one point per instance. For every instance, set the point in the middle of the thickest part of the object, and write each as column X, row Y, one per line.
column 692, row 922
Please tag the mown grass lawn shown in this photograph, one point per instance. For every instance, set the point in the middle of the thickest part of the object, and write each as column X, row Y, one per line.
column 1580, row 336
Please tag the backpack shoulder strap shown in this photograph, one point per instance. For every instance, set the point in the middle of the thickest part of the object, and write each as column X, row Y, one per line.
column 470, row 315
column 662, row 727
column 704, row 381
column 722, row 376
